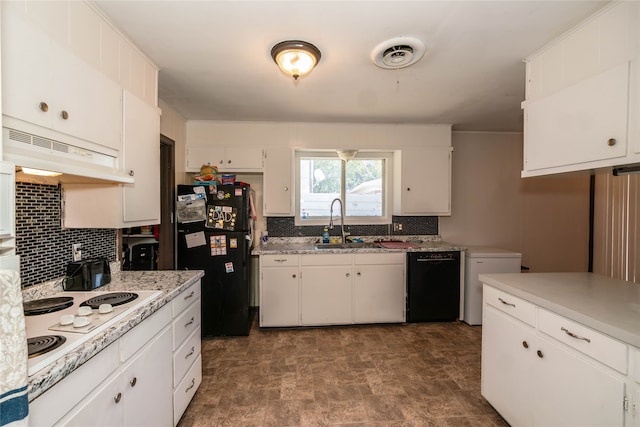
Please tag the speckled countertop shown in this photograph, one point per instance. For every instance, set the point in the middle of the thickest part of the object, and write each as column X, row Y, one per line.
column 307, row 245
column 607, row 305
column 171, row 283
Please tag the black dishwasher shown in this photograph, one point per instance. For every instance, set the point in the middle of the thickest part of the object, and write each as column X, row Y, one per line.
column 433, row 286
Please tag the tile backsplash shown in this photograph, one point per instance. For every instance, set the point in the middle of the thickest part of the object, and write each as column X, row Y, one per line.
column 43, row 245
column 411, row 225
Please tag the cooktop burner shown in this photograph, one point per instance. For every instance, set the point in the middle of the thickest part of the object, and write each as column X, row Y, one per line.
column 46, row 305
column 113, row 298
column 43, row 344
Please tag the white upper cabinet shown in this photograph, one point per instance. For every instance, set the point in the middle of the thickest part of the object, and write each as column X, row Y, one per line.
column 278, row 197
column 128, row 205
column 422, row 181
column 46, row 85
column 582, row 95
column 226, row 159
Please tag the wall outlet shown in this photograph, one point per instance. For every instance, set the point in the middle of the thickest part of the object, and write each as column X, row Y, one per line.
column 397, row 226
column 76, row 250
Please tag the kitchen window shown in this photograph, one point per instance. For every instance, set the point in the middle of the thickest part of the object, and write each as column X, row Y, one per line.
column 362, row 184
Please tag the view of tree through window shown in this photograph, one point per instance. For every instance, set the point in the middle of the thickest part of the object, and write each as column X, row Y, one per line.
column 358, row 183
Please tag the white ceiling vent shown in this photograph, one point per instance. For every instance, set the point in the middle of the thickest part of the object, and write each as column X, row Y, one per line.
column 398, row 52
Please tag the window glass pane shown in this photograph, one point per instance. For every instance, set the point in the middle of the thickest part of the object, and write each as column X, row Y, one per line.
column 364, row 187
column 320, row 183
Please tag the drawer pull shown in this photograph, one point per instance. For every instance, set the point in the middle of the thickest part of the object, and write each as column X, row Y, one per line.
column 525, row 344
column 118, row 397
column 193, row 383
column 506, row 303
column 572, row 335
column 193, row 319
column 540, row 354
column 133, row 381
column 189, row 296
column 193, row 350
column 280, row 260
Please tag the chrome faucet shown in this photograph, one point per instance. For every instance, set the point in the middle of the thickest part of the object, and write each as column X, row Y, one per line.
column 337, row 199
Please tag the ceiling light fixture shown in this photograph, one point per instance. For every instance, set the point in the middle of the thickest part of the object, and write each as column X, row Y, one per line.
column 39, row 172
column 346, row 155
column 295, row 57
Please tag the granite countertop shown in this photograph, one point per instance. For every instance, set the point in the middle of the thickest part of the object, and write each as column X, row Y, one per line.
column 610, row 306
column 307, row 245
column 171, row 283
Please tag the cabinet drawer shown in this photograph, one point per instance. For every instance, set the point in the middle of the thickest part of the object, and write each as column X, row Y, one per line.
column 594, row 344
column 185, row 355
column 507, row 303
column 186, row 323
column 326, row 259
column 185, row 298
column 279, row 260
column 135, row 339
column 377, row 259
column 183, row 394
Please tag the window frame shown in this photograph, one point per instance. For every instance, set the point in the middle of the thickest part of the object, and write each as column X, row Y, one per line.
column 387, row 185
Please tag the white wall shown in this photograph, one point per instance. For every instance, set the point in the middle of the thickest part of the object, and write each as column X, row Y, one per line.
column 546, row 218
column 174, row 126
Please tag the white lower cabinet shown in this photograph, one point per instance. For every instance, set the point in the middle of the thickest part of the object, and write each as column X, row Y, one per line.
column 187, row 359
column 279, row 290
column 326, row 289
column 332, row 289
column 532, row 379
column 138, row 396
column 379, row 288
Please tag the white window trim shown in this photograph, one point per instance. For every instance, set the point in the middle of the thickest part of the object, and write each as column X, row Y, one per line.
column 387, row 195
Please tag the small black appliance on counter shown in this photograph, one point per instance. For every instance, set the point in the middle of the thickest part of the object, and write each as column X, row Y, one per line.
column 87, row 274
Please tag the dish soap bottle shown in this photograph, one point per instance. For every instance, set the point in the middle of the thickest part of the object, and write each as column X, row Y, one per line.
column 325, row 235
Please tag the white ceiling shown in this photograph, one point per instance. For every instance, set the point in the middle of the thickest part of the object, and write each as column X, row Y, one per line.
column 215, row 64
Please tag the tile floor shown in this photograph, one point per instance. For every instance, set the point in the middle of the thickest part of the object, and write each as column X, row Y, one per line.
column 421, row 374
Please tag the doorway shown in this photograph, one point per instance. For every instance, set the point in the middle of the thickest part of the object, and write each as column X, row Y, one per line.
column 166, row 250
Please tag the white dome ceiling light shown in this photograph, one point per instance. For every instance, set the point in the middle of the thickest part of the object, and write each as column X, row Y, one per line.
column 399, row 52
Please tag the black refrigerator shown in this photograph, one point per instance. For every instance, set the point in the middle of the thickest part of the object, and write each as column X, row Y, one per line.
column 214, row 235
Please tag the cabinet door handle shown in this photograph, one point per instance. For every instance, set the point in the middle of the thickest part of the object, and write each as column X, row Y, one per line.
column 64, row 115
column 348, row 274
column 611, row 142
column 525, row 344
column 506, row 303
column 190, row 322
column 193, row 383
column 359, row 274
column 118, row 397
column 293, row 275
column 131, row 172
column 286, row 188
column 189, row 296
column 540, row 354
column 133, row 381
column 408, row 189
column 228, row 162
column 193, row 350
column 43, row 107
column 220, row 162
column 571, row 334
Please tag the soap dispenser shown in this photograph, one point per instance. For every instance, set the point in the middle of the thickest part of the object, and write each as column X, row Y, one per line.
column 325, row 235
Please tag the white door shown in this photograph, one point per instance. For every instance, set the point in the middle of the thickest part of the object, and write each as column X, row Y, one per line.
column 141, row 141
column 507, row 355
column 279, row 297
column 379, row 294
column 325, row 295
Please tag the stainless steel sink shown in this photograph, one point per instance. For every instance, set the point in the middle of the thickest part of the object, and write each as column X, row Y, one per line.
column 348, row 245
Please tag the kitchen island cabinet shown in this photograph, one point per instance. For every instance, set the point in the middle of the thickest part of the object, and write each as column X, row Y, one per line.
column 551, row 358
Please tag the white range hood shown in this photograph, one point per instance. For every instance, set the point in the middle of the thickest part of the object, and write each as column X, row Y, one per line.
column 51, row 153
